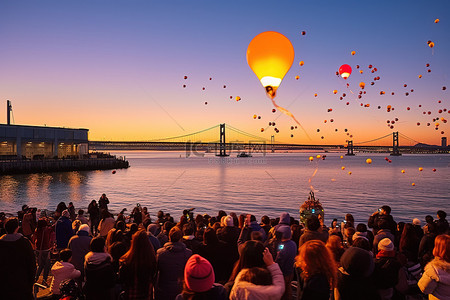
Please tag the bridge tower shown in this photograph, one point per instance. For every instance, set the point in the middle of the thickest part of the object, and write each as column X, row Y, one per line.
column 350, row 148
column 222, row 145
column 395, row 150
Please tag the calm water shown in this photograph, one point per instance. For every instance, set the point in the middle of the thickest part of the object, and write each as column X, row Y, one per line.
column 260, row 185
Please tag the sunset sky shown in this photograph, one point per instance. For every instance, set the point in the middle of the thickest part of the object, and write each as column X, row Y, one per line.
column 118, row 67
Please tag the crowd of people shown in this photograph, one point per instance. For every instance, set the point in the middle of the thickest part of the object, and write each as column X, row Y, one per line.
column 105, row 256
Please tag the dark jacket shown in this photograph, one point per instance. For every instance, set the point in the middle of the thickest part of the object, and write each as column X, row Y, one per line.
column 373, row 223
column 217, row 292
column 63, row 232
column 385, row 274
column 171, row 260
column 79, row 244
column 18, row 267
column 221, row 258
column 100, row 277
column 314, row 288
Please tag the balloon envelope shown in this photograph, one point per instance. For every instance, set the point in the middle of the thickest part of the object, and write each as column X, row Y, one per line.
column 345, row 71
column 270, row 55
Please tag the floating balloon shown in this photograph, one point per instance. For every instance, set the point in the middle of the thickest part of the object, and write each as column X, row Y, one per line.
column 431, row 44
column 353, row 52
column 318, row 156
column 303, row 32
column 185, row 77
column 436, row 21
column 420, row 76
column 345, row 71
column 274, row 110
column 403, row 171
column 255, row 116
column 114, row 172
column 362, row 85
column 413, row 184
column 311, row 158
column 301, row 63
column 270, row 55
column 343, row 168
column 420, row 169
column 434, row 170
column 342, row 157
column 369, row 161
column 335, row 92
column 297, row 77
column 262, row 129
column 350, row 173
column 206, row 103
column 238, row 98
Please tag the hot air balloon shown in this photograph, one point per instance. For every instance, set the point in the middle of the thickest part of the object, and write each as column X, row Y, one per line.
column 345, row 71
column 270, row 55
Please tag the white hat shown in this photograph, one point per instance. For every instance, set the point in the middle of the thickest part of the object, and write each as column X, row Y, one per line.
column 386, row 245
column 84, row 227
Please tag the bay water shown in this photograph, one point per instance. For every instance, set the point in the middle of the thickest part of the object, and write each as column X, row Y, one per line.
column 261, row 185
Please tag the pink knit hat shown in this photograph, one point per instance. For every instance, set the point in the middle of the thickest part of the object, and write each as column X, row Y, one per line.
column 198, row 274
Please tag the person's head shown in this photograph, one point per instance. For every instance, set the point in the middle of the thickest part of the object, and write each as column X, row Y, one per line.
column 385, row 210
column 361, row 227
column 442, row 247
column 432, row 228
column 285, row 231
column 70, row 204
column 250, row 255
column 153, row 228
column 362, row 243
column 409, row 236
column 175, row 235
column 160, row 214
column 84, row 227
column 133, row 228
column 65, row 255
column 265, row 220
column 221, row 214
column 120, row 225
column 75, row 225
column 429, row 219
column 210, row 237
column 198, row 274
column 312, row 223
column 315, row 258
column 11, row 225
column 385, row 245
column 141, row 252
column 441, row 214
column 80, row 212
column 65, row 214
column 256, row 236
column 257, row 276
column 93, row 202
column 349, row 218
column 357, row 262
column 334, row 242
column 42, row 223
column 97, row 244
column 334, row 223
column 229, row 221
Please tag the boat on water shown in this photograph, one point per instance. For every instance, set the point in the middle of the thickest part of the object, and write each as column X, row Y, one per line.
column 244, row 154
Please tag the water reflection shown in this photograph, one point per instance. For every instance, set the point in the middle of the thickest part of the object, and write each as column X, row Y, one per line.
column 8, row 188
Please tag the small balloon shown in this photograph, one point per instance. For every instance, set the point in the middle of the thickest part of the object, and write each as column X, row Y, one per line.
column 436, row 21
column 238, row 98
column 413, row 184
column 343, row 168
column 362, row 85
column 185, row 77
column 353, row 52
column 369, row 161
column 342, row 157
column 434, row 170
column 206, row 103
column 114, row 172
column 297, row 77
column 311, row 158
column 403, row 171
column 431, row 45
column 350, row 173
column 274, row 110
column 420, row 169
column 262, row 129
column 345, row 71
column 335, row 92
column 303, row 32
column 301, row 63
column 255, row 116
column 420, row 76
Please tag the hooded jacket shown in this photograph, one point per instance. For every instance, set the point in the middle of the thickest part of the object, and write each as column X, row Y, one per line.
column 100, row 277
column 247, row 290
column 171, row 260
column 435, row 280
column 61, row 271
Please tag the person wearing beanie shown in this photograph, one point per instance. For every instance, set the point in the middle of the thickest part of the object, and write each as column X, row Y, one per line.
column 79, row 244
column 63, row 230
column 354, row 275
column 230, row 235
column 386, row 273
column 248, row 285
column 199, row 281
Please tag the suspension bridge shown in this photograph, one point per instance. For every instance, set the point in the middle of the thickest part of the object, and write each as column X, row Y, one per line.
column 223, row 139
